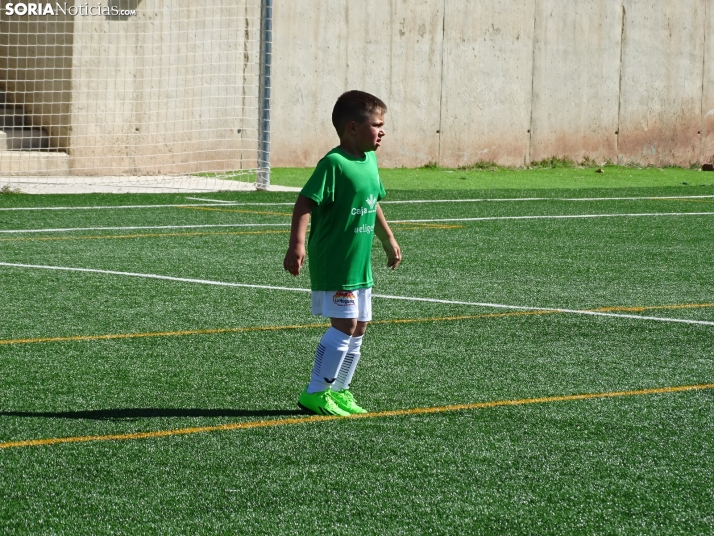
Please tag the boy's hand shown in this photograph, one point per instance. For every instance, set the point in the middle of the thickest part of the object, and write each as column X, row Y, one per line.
column 294, row 259
column 384, row 233
column 394, row 253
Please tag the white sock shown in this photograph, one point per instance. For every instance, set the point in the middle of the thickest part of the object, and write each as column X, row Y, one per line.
column 330, row 352
column 349, row 364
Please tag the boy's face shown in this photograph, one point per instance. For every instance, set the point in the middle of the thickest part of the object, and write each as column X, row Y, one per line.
column 368, row 135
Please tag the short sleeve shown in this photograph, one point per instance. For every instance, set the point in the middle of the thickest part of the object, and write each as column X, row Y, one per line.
column 320, row 187
column 382, row 193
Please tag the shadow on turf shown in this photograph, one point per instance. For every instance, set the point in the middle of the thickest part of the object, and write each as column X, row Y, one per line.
column 148, row 413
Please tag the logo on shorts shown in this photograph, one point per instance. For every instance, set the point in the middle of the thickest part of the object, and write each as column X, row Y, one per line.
column 344, row 298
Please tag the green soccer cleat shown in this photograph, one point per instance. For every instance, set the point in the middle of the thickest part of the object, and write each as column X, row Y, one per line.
column 320, row 403
column 346, row 402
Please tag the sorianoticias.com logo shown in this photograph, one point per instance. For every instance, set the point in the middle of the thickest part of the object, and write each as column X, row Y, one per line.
column 83, row 10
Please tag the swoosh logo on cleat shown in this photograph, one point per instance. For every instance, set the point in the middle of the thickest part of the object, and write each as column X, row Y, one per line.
column 330, row 380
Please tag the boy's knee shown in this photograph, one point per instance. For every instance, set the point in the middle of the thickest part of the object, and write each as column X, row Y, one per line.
column 360, row 329
column 349, row 326
column 345, row 325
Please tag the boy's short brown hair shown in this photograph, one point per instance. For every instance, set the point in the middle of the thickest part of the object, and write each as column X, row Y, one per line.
column 355, row 106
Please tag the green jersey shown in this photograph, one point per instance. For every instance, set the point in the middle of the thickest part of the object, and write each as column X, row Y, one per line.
column 346, row 190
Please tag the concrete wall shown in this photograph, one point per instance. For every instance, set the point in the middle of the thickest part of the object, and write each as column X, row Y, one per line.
column 486, row 83
column 494, row 80
column 661, row 88
column 576, row 76
column 707, row 124
column 36, row 70
column 174, row 89
column 323, row 48
column 167, row 91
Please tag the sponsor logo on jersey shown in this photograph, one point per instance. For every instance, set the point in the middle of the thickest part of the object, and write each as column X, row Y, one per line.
column 344, row 298
column 364, row 229
column 361, row 211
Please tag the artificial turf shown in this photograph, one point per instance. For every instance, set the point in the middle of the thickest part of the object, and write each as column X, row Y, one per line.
column 437, row 178
column 196, row 355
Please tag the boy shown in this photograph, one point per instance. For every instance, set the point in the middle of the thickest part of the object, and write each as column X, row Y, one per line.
column 342, row 195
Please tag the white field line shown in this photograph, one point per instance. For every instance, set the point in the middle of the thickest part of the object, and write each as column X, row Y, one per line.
column 550, row 309
column 227, row 203
column 558, row 217
column 549, row 199
column 136, row 228
column 287, row 224
column 110, row 207
column 382, row 296
column 206, row 200
column 151, row 276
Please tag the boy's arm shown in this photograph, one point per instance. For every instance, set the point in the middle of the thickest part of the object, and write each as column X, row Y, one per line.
column 384, row 233
column 295, row 257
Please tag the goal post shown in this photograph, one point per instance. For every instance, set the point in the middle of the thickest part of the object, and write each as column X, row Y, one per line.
column 266, row 51
column 170, row 94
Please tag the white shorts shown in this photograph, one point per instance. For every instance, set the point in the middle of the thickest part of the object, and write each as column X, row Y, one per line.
column 343, row 303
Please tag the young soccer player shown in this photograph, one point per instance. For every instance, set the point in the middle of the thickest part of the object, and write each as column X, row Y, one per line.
column 342, row 197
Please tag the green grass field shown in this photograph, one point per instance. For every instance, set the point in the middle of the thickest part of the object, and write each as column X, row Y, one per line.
column 166, row 404
column 430, row 178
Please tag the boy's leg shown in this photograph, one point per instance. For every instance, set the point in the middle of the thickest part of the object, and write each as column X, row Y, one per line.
column 330, row 353
column 340, row 389
column 346, row 325
column 332, row 349
column 349, row 364
column 364, row 315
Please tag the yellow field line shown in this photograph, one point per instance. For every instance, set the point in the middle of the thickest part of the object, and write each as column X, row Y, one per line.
column 424, row 228
column 318, row 418
column 158, row 334
column 251, row 328
column 320, row 325
column 237, row 210
column 428, row 225
column 460, row 317
column 415, row 226
column 141, row 235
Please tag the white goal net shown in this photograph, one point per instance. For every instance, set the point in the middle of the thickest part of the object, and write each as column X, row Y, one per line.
column 168, row 94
